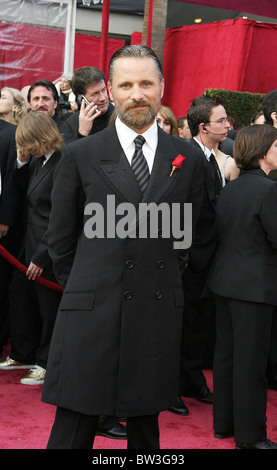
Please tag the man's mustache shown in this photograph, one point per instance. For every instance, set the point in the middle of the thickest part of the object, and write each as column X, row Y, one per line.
column 137, row 104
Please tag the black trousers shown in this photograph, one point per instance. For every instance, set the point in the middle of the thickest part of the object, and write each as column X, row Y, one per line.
column 72, row 430
column 198, row 330
column 240, row 362
column 33, row 311
column 8, row 242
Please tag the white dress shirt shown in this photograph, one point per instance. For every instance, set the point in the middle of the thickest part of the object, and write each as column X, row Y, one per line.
column 20, row 164
column 205, row 149
column 126, row 138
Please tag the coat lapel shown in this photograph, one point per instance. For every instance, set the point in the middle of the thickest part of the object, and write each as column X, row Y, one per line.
column 119, row 174
column 42, row 171
column 209, row 182
column 160, row 183
column 116, row 169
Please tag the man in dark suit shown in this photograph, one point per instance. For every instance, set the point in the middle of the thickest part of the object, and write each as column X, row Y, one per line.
column 10, row 206
column 89, row 85
column 43, row 97
column 116, row 343
column 208, row 123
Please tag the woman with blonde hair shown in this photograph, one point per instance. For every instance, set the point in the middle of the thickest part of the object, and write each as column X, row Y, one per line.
column 167, row 121
column 12, row 105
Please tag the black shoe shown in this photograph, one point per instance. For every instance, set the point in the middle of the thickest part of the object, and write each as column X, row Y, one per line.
column 179, row 408
column 204, row 395
column 265, row 444
column 223, row 435
column 272, row 385
column 112, row 428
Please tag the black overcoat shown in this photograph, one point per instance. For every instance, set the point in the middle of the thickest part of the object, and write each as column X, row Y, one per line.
column 116, row 343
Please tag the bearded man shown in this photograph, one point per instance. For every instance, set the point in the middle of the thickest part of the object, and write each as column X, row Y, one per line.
column 116, row 344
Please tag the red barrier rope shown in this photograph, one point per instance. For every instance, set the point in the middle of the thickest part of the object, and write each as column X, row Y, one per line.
column 8, row 257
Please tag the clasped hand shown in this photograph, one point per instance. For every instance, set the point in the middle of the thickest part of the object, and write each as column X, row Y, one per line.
column 33, row 271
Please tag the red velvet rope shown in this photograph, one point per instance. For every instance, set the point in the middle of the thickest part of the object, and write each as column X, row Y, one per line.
column 8, row 257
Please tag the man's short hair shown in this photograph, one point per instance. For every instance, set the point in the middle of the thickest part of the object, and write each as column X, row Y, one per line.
column 200, row 111
column 84, row 76
column 270, row 106
column 47, row 84
column 181, row 121
column 138, row 51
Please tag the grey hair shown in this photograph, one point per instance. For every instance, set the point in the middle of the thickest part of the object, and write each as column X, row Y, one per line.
column 138, row 51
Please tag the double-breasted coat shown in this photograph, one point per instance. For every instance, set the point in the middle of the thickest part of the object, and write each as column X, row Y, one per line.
column 116, row 343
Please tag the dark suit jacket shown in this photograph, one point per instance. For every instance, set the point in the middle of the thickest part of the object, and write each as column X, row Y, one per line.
column 204, row 243
column 61, row 125
column 116, row 343
column 245, row 267
column 38, row 189
column 9, row 198
column 72, row 125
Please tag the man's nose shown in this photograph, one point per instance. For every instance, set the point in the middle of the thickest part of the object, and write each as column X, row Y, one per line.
column 137, row 93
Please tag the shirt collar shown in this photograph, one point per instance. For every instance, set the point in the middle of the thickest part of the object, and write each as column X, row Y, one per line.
column 205, row 149
column 127, row 135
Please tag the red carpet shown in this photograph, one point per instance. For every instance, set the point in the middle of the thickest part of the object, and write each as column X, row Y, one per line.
column 25, row 421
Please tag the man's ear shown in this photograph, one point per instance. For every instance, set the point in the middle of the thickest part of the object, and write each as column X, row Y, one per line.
column 109, row 88
column 162, row 88
column 274, row 116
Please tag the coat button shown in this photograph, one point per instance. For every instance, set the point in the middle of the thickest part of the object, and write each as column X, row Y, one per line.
column 129, row 264
column 158, row 295
column 160, row 264
column 128, row 294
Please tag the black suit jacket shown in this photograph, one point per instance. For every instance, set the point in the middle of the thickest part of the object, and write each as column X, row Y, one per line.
column 72, row 125
column 245, row 266
column 37, row 182
column 204, row 243
column 122, row 306
column 10, row 201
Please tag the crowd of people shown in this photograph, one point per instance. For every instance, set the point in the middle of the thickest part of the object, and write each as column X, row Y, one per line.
column 123, row 327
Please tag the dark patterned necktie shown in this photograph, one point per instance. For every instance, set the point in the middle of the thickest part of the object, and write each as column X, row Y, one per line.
column 139, row 164
column 216, row 175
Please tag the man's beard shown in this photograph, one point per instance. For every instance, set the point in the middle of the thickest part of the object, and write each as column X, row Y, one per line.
column 136, row 118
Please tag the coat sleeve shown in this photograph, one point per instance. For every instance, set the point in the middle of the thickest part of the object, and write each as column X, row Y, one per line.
column 66, row 216
column 268, row 214
column 195, row 197
column 11, row 198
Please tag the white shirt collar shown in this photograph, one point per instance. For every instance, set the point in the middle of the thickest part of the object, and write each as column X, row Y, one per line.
column 126, row 137
column 205, row 149
column 47, row 156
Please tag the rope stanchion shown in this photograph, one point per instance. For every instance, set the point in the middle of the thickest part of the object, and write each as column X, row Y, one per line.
column 41, row 280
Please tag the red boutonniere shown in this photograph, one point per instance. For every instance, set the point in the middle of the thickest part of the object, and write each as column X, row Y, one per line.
column 177, row 163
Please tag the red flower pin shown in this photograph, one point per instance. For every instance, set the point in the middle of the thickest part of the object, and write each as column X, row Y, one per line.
column 177, row 163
